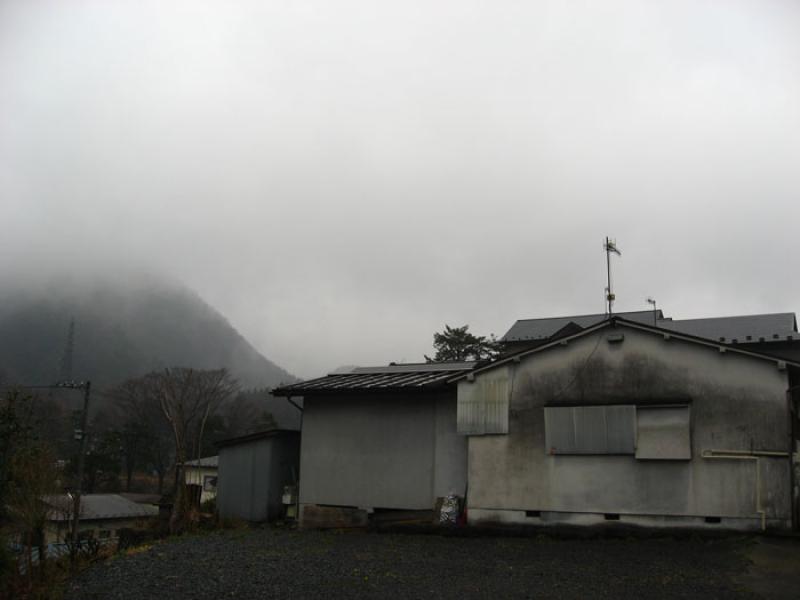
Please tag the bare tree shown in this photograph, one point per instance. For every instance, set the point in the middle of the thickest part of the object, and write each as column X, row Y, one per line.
column 146, row 437
column 186, row 399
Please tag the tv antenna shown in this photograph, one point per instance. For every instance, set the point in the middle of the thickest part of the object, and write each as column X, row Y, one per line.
column 610, row 246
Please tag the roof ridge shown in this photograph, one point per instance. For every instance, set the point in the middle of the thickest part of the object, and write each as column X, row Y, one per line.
column 612, row 320
column 627, row 312
column 746, row 316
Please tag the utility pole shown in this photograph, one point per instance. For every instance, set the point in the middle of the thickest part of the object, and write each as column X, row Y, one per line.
column 610, row 246
column 84, row 438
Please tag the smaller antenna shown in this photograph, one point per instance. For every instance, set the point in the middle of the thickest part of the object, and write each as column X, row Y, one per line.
column 610, row 246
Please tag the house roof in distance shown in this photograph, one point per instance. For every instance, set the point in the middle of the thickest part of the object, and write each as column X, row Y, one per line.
column 393, row 377
column 98, row 506
column 744, row 329
column 541, row 329
column 618, row 321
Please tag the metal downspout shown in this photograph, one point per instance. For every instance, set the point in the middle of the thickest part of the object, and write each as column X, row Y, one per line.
column 795, row 504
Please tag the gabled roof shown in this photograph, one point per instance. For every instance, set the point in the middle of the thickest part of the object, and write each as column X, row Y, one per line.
column 98, row 506
column 541, row 329
column 745, row 329
column 394, row 377
column 616, row 320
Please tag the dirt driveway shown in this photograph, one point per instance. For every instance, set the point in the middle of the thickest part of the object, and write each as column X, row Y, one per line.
column 774, row 569
column 274, row 563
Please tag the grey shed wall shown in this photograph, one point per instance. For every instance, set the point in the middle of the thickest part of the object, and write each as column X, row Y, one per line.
column 735, row 403
column 398, row 451
column 252, row 475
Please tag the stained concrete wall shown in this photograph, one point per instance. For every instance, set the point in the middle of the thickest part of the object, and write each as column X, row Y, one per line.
column 252, row 475
column 737, row 403
column 397, row 451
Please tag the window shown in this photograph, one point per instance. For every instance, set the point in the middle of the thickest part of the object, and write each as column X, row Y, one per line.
column 590, row 429
column 663, row 433
column 209, row 483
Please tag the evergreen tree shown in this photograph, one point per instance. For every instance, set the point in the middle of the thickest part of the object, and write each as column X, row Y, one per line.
column 458, row 344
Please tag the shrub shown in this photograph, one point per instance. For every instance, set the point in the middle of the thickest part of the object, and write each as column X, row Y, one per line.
column 209, row 506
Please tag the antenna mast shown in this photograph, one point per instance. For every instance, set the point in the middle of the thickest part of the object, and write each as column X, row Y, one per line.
column 610, row 246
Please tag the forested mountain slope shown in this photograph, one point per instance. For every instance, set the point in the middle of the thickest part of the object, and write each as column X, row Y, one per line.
column 123, row 328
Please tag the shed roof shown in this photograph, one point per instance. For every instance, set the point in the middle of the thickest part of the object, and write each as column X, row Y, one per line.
column 393, row 377
column 209, row 462
column 742, row 329
column 98, row 506
column 541, row 329
column 253, row 437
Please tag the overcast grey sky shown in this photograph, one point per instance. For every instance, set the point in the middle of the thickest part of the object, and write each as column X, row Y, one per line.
column 342, row 178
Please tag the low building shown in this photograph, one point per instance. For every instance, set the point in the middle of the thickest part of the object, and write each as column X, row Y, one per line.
column 378, row 439
column 201, row 477
column 253, row 471
column 102, row 516
column 632, row 422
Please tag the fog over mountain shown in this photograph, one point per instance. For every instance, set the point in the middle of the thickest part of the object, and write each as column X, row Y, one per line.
column 125, row 326
column 341, row 179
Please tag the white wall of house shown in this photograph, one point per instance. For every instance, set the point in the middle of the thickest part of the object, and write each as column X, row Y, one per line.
column 735, row 403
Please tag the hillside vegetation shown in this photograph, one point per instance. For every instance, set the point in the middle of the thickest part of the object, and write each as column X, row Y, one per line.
column 122, row 329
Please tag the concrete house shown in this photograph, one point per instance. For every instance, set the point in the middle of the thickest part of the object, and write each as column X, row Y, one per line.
column 641, row 421
column 379, row 439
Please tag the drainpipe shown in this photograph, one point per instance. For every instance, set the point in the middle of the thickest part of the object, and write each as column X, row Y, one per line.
column 755, row 455
column 795, row 505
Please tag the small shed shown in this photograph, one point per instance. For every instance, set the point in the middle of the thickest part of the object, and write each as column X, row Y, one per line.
column 379, row 441
column 253, row 470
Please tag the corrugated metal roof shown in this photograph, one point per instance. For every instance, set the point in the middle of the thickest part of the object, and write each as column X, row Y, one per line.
column 253, row 437
column 99, row 506
column 743, row 329
column 391, row 377
column 540, row 329
column 208, row 462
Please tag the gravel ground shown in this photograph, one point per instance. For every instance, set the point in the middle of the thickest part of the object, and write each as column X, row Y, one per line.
column 275, row 563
